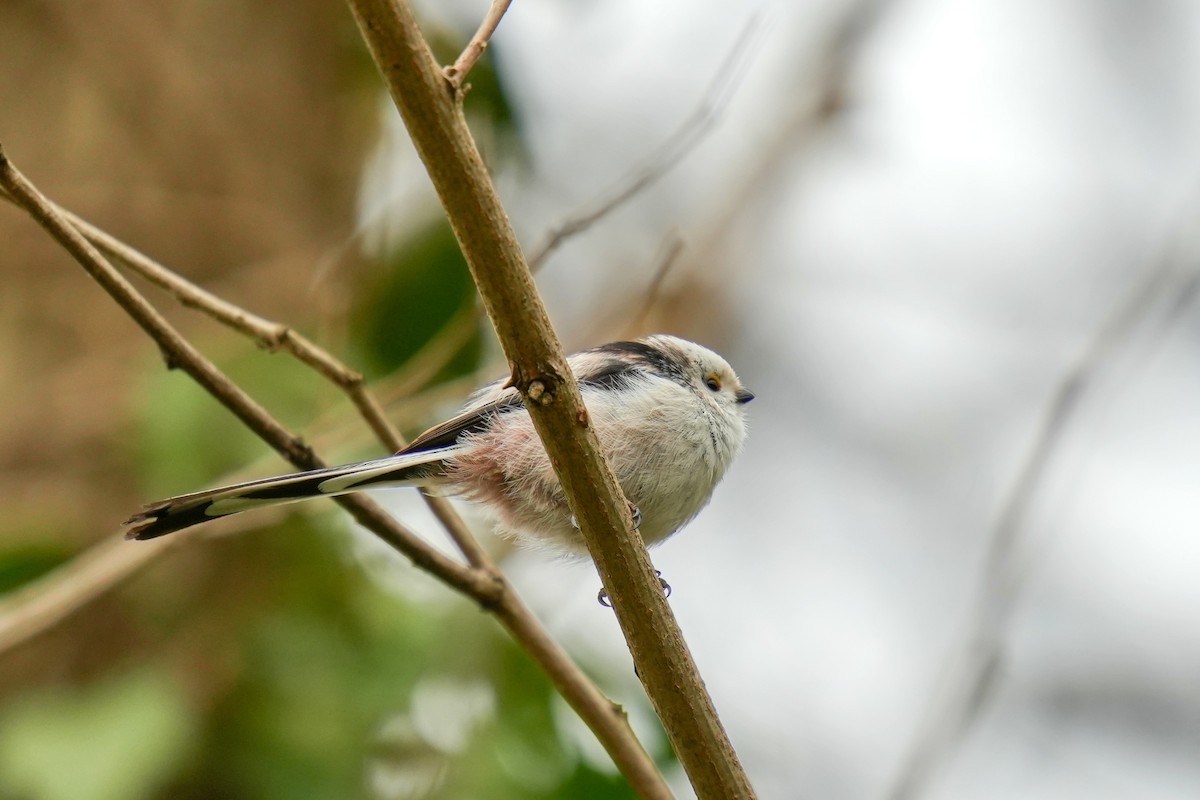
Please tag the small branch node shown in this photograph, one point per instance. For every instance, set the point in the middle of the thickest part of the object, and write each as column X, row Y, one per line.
column 275, row 338
column 170, row 361
column 352, row 379
column 491, row 588
column 538, row 392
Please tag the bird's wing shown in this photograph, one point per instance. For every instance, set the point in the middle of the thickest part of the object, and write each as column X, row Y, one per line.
column 472, row 419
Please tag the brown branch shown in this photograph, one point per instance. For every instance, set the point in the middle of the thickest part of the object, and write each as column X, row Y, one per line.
column 487, row 587
column 690, row 133
column 457, row 73
column 46, row 601
column 276, row 337
column 435, row 123
column 271, row 336
column 181, row 354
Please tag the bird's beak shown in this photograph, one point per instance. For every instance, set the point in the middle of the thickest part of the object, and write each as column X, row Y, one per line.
column 744, row 395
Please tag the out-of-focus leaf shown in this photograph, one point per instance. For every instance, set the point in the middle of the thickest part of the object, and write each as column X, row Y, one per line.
column 421, row 286
column 22, row 565
column 116, row 740
column 524, row 751
column 321, row 670
column 587, row 783
column 187, row 438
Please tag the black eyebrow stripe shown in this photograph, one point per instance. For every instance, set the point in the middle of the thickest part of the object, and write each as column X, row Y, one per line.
column 615, row 374
column 652, row 357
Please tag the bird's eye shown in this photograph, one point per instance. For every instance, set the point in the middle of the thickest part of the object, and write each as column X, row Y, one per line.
column 713, row 382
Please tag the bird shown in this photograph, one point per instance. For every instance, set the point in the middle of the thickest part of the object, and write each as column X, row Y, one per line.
column 669, row 414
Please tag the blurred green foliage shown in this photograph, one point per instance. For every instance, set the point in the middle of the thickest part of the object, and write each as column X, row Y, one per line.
column 186, row 439
column 118, row 739
column 346, row 688
column 412, row 293
column 23, row 563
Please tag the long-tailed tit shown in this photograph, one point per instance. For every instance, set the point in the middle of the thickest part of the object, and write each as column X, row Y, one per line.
column 668, row 413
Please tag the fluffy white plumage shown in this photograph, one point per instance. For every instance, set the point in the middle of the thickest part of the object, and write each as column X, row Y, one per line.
column 668, row 412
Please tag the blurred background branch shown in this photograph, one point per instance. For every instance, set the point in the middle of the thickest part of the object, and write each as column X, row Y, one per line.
column 686, row 138
column 974, row 670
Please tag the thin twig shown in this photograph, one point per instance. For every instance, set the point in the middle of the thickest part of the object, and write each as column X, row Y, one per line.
column 46, row 601
column 974, row 667
column 181, row 354
column 690, row 133
column 668, row 254
column 457, row 73
column 271, row 336
column 686, row 137
column 276, row 337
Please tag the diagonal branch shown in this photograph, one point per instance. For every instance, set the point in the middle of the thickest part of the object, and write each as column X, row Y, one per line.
column 697, row 126
column 276, row 337
column 181, row 354
column 435, row 123
column 485, row 586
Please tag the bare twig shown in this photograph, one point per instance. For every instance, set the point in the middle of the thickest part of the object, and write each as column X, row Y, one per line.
column 487, row 587
column 439, row 132
column 668, row 253
column 691, row 132
column 181, row 354
column 457, row 73
column 271, row 336
column 973, row 668
column 275, row 337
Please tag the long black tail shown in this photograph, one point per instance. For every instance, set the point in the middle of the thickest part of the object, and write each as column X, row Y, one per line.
column 177, row 513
